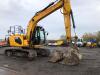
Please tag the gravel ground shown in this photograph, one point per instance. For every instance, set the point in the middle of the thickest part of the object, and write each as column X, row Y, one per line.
column 90, row 65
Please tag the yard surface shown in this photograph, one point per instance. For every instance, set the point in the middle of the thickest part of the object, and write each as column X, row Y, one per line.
column 89, row 65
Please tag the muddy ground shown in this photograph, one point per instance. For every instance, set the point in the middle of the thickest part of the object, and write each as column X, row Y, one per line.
column 90, row 65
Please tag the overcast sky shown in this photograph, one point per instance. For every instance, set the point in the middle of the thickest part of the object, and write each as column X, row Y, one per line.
column 19, row 12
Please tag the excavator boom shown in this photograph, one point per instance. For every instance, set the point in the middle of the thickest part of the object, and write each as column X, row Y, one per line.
column 65, row 4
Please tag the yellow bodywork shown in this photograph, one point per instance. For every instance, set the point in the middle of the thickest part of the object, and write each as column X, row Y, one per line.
column 15, row 44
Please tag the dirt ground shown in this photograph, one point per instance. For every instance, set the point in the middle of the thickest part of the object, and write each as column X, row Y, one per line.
column 89, row 65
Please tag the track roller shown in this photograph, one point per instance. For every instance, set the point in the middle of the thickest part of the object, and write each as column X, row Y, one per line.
column 8, row 53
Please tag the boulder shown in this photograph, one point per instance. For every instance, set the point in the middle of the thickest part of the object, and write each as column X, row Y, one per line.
column 69, row 56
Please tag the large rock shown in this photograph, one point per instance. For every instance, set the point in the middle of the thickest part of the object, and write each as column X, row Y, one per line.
column 69, row 56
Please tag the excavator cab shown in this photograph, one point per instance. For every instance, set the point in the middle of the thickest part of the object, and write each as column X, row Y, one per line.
column 38, row 36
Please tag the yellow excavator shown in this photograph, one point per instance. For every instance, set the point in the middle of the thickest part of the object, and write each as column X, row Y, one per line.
column 29, row 44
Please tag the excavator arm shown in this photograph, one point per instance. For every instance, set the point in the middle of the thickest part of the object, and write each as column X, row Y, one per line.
column 65, row 4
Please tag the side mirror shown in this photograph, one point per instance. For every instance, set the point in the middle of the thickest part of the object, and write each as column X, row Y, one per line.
column 47, row 33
